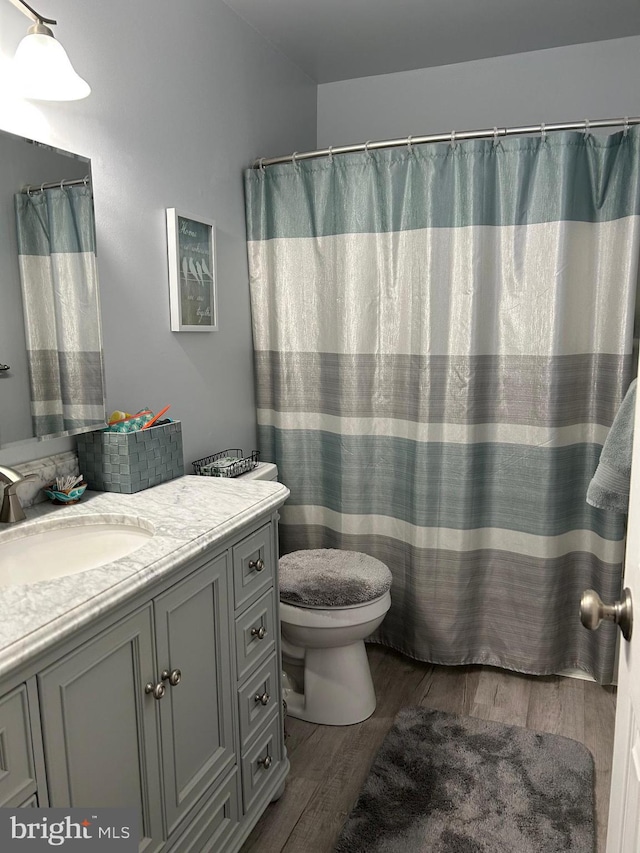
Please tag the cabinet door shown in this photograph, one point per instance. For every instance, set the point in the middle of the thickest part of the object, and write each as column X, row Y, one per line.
column 193, row 635
column 17, row 771
column 100, row 729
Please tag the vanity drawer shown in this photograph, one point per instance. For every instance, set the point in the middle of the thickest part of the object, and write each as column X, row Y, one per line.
column 17, row 772
column 253, row 566
column 257, row 699
column 256, row 634
column 261, row 762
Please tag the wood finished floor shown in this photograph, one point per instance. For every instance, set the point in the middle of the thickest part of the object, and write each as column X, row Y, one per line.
column 329, row 764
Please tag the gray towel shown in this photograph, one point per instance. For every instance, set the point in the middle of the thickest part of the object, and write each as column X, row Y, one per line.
column 609, row 488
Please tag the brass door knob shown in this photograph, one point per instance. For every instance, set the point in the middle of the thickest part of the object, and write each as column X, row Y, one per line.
column 260, row 632
column 593, row 611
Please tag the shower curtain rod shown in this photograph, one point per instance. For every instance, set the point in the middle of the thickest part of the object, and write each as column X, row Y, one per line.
column 453, row 137
column 32, row 188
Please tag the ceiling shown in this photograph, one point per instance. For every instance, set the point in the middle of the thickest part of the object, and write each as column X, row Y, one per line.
column 343, row 39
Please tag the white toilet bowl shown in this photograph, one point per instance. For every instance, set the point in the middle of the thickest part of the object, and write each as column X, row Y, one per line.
column 329, row 642
column 330, row 601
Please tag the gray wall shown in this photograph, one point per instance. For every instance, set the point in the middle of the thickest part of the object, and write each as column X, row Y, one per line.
column 185, row 95
column 596, row 80
column 20, row 164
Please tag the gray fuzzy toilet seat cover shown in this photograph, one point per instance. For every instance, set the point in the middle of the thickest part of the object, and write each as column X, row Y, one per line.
column 327, row 577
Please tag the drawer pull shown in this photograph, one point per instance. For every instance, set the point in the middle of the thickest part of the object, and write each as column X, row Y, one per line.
column 264, row 699
column 258, row 564
column 158, row 689
column 174, row 677
column 260, row 632
column 266, row 762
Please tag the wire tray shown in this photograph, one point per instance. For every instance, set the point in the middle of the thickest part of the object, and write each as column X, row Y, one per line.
column 226, row 463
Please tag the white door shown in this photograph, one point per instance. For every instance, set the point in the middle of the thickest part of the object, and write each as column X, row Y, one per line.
column 624, row 812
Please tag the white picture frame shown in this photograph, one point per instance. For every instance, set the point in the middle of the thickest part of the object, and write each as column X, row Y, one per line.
column 191, row 249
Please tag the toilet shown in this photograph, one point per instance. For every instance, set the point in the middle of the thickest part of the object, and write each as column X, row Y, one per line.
column 330, row 601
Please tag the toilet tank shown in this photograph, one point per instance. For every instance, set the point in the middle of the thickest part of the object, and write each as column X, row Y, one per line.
column 263, row 471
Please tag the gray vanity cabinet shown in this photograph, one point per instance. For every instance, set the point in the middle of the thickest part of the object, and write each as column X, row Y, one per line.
column 152, row 692
column 170, row 704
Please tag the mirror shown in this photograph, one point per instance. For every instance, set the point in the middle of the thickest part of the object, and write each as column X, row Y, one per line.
column 51, row 371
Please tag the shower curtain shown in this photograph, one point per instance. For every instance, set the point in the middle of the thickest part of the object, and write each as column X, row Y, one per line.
column 58, row 275
column 443, row 334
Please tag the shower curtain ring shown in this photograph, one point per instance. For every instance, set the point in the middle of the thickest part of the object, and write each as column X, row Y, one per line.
column 410, row 144
column 543, row 132
column 261, row 164
column 366, row 148
column 587, row 128
column 495, row 136
column 331, row 153
column 42, row 186
column 626, row 126
column 453, row 139
column 294, row 159
column 62, row 184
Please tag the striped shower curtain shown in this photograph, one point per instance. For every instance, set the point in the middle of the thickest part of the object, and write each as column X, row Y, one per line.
column 58, row 275
column 443, row 335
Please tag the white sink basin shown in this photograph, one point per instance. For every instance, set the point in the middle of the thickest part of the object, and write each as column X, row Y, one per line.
column 54, row 549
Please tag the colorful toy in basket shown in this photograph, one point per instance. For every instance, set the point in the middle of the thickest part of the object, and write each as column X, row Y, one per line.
column 124, row 422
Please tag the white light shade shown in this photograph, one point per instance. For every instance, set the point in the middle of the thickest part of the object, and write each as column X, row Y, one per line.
column 44, row 72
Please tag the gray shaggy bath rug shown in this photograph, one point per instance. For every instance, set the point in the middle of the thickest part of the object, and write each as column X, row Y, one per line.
column 447, row 784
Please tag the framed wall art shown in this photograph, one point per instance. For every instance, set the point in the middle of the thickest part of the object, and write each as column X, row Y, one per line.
column 191, row 244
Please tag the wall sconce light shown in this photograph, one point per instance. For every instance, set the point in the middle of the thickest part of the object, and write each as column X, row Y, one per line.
column 43, row 69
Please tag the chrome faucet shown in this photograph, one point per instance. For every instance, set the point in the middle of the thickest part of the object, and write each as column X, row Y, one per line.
column 11, row 507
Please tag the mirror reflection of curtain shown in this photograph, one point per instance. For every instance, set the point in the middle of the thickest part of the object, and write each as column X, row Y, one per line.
column 58, row 273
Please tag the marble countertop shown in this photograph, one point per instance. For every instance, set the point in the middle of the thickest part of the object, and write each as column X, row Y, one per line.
column 188, row 515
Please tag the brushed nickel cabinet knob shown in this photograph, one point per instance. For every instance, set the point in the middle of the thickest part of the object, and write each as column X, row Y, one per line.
column 266, row 762
column 260, row 632
column 263, row 699
column 174, row 677
column 158, row 690
column 258, row 564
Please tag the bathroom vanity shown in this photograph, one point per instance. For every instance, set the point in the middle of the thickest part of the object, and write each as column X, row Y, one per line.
column 152, row 681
